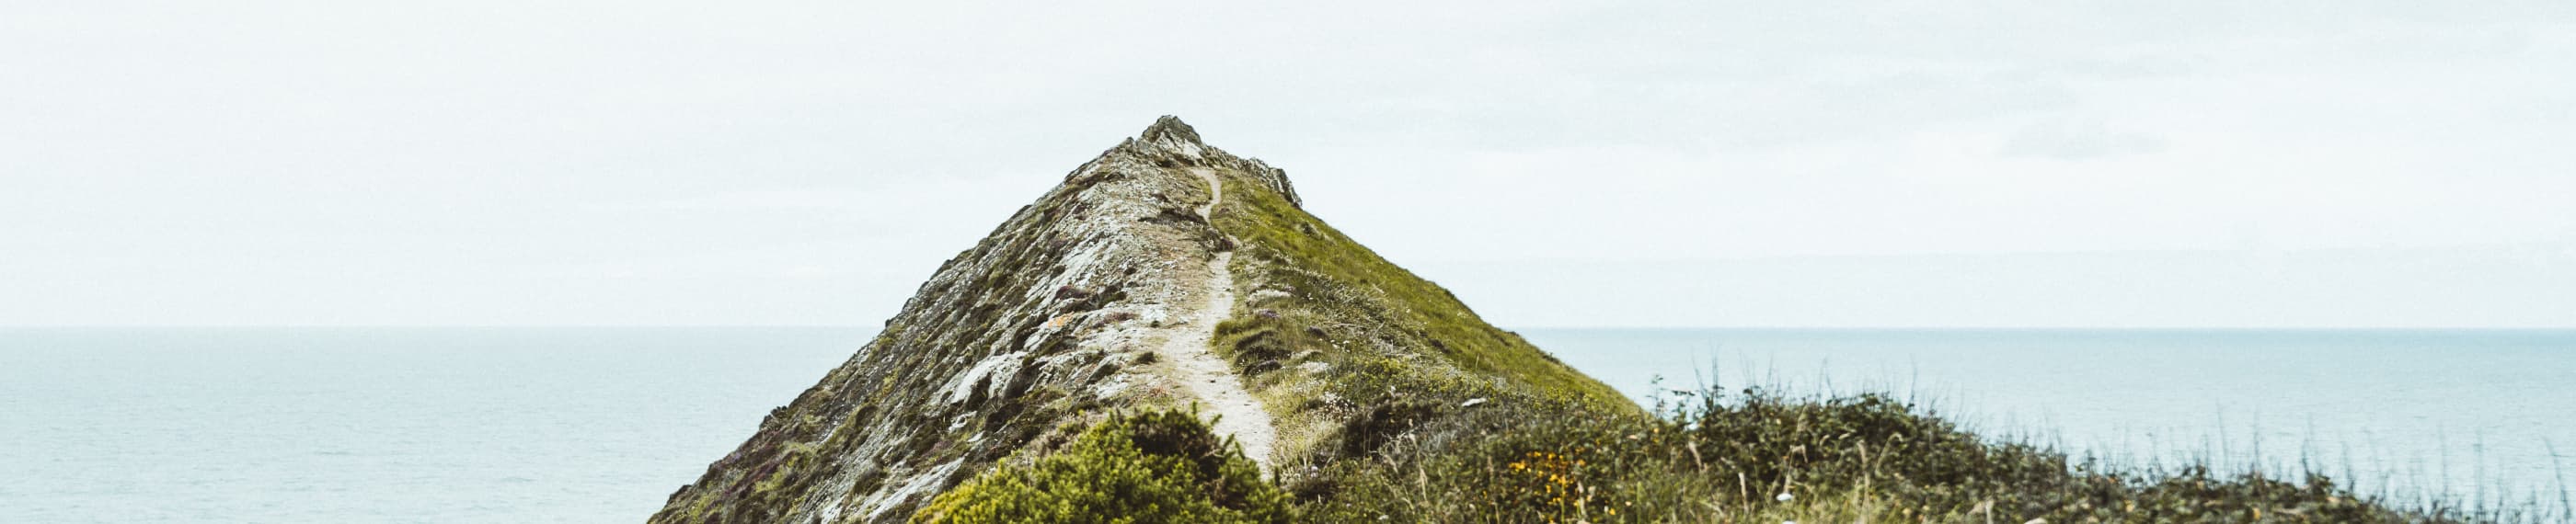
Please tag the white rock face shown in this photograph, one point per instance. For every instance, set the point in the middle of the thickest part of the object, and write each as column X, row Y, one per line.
column 1006, row 364
column 1039, row 323
column 881, row 504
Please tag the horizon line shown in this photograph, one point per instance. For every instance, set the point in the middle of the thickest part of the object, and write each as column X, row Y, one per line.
column 1506, row 328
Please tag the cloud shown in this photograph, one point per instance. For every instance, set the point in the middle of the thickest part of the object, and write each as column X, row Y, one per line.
column 469, row 145
column 2075, row 139
column 739, row 201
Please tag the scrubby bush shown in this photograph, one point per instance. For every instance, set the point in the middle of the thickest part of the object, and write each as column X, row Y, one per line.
column 1757, row 456
column 1160, row 466
column 1744, row 456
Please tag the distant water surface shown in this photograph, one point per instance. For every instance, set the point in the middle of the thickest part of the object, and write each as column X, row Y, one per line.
column 601, row 424
column 383, row 425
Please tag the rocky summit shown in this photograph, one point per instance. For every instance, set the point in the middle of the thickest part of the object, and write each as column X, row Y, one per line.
column 1164, row 274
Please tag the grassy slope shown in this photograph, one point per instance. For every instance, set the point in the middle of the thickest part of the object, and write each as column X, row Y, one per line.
column 1389, row 343
column 1358, row 302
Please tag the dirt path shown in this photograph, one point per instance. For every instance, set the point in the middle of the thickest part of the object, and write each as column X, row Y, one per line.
column 1209, row 378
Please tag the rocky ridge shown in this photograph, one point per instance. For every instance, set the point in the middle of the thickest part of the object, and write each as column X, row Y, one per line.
column 1119, row 289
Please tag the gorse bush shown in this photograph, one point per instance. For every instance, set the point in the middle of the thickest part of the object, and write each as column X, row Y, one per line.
column 1757, row 456
column 1914, row 466
column 1151, row 467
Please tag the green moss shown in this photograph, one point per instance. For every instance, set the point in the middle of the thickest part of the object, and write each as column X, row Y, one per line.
column 1153, row 467
column 1343, row 299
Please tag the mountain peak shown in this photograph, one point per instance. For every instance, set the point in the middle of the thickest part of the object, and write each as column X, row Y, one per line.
column 1120, row 290
column 1171, row 130
column 1169, row 142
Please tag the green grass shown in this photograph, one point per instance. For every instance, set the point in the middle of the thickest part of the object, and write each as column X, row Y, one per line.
column 1352, row 295
column 1351, row 306
column 1346, row 349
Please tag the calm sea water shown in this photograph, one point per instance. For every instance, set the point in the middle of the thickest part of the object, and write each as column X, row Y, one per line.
column 600, row 424
column 382, row 425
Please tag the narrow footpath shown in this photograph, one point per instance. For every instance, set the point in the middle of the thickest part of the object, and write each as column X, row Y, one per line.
column 1207, row 376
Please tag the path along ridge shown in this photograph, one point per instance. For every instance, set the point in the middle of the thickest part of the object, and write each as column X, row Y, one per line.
column 1209, row 379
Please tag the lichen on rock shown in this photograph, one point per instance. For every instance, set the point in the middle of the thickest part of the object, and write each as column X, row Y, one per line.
column 1004, row 343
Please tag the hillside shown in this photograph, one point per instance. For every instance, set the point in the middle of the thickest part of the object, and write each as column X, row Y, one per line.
column 1168, row 336
column 1164, row 274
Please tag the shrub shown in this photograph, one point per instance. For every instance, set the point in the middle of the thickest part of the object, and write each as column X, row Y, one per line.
column 1160, row 466
column 1729, row 457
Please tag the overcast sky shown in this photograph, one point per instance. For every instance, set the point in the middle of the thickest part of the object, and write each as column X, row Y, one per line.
column 2325, row 164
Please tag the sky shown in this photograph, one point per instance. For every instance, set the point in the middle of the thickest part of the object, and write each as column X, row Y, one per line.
column 1788, row 164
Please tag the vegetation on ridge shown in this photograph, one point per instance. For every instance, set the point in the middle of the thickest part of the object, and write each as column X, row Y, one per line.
column 1744, row 456
column 1354, row 300
column 1346, row 348
column 1161, row 466
column 1755, row 456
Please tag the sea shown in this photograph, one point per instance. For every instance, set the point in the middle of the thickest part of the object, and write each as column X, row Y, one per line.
column 602, row 424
